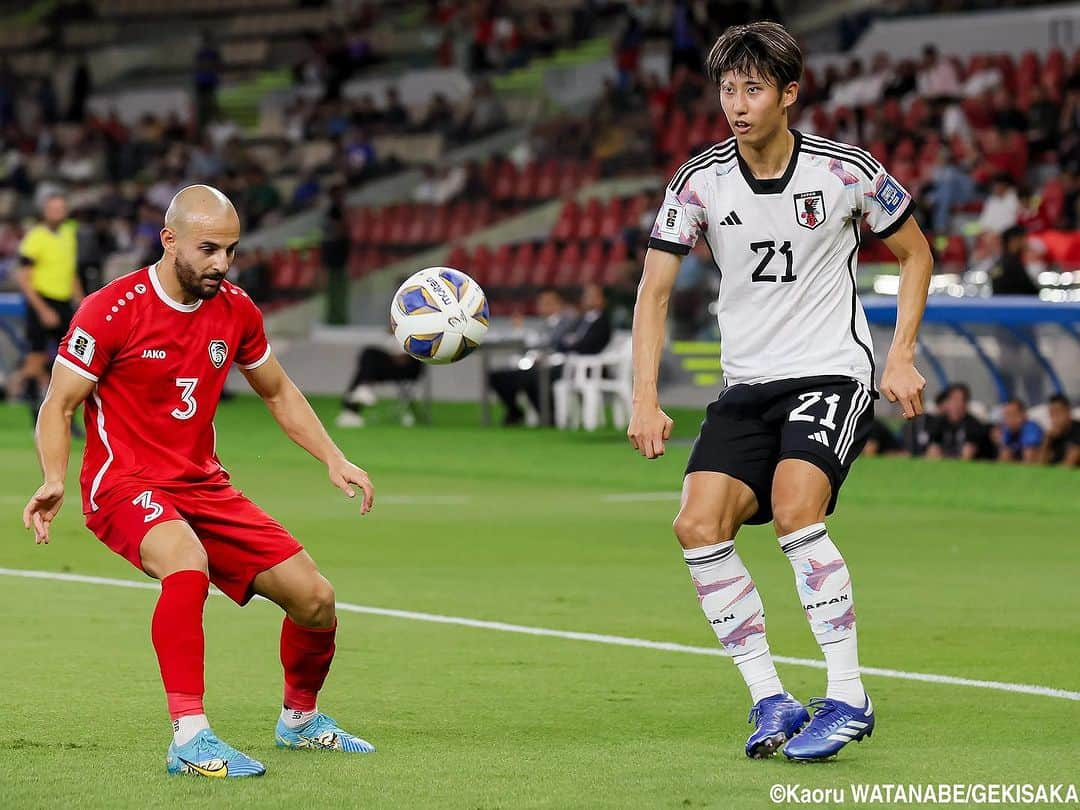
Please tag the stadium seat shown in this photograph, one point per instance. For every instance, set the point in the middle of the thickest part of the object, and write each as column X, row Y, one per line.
column 527, row 182
column 613, row 265
column 589, row 227
column 547, row 184
column 499, row 270
column 480, row 263
column 613, row 219
column 567, row 267
column 592, row 264
column 566, row 226
column 458, row 258
column 521, row 267
column 546, row 266
column 505, row 182
column 458, row 225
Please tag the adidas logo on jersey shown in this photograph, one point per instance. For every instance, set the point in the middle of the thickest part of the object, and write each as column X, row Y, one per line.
column 821, row 436
column 731, row 219
column 153, row 354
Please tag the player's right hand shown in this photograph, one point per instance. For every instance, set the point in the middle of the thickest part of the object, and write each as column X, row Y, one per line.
column 649, row 428
column 49, row 317
column 41, row 510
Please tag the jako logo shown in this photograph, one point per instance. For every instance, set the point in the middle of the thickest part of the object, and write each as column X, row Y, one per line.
column 153, row 354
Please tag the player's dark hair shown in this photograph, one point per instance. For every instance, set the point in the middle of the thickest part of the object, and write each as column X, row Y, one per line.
column 765, row 48
column 1058, row 399
column 1019, row 403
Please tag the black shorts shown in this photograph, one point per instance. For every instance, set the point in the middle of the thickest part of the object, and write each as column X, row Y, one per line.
column 40, row 336
column 750, row 428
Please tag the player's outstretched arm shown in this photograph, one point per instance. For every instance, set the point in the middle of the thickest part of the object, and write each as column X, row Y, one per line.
column 649, row 425
column 901, row 382
column 293, row 412
column 66, row 392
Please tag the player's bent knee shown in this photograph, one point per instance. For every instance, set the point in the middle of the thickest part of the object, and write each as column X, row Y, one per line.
column 316, row 608
column 170, row 547
column 695, row 531
column 790, row 515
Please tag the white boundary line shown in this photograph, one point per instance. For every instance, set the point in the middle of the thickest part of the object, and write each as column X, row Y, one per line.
column 597, row 638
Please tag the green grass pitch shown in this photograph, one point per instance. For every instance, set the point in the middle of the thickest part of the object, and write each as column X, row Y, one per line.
column 960, row 570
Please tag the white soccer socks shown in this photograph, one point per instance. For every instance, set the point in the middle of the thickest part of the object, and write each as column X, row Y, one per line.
column 824, row 586
column 733, row 607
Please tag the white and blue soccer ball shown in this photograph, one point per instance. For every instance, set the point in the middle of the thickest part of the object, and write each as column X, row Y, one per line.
column 439, row 315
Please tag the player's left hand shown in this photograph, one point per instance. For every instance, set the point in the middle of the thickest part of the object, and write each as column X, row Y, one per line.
column 41, row 510
column 343, row 473
column 901, row 382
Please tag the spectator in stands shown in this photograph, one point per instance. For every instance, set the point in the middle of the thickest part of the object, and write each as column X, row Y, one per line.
column 335, row 256
column 483, row 115
column 1001, row 210
column 441, row 184
column 1011, row 276
column 394, row 114
column 1062, row 442
column 207, row 77
column 903, row 83
column 951, row 187
column 1008, row 117
column 49, row 281
column 882, row 441
column 955, row 433
column 439, row 117
column 373, row 366
column 564, row 330
column 1043, row 116
column 937, row 79
column 685, row 41
column 628, row 48
column 81, row 87
column 1018, row 438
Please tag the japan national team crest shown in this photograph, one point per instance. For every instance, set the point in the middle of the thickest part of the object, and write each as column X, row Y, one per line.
column 810, row 208
column 219, row 350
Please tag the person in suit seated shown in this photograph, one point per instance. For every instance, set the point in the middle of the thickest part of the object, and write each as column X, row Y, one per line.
column 567, row 329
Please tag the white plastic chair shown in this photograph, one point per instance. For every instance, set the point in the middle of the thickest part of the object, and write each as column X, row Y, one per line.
column 581, row 393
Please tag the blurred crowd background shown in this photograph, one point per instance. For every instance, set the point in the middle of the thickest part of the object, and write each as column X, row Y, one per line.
column 528, row 143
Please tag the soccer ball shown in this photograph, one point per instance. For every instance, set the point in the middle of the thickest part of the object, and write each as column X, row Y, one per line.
column 439, row 315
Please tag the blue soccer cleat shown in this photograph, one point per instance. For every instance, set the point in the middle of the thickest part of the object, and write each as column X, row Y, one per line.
column 778, row 719
column 835, row 724
column 320, row 733
column 206, row 755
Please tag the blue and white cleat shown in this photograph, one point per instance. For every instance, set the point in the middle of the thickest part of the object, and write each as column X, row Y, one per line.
column 835, row 724
column 778, row 719
column 206, row 755
column 320, row 733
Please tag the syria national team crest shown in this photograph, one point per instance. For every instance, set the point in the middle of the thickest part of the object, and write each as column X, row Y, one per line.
column 810, row 208
column 219, row 350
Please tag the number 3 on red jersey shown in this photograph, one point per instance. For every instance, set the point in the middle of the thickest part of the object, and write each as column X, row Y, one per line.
column 187, row 384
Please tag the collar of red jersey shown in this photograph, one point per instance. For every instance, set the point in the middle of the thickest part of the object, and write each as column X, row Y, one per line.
column 155, row 282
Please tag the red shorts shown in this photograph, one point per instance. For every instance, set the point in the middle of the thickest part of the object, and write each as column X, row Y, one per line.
column 240, row 539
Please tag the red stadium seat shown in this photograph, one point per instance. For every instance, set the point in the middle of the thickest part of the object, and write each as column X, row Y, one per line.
column 458, row 258
column 527, row 182
column 616, row 258
column 439, row 231
column 505, row 182
column 613, row 220
column 500, row 268
column 719, row 130
column 521, row 266
column 566, row 226
column 567, row 269
column 592, row 264
column 590, row 220
column 380, row 225
column 673, row 135
column 546, row 265
column 547, row 185
column 698, row 133
column 458, row 226
column 479, row 264
column 953, row 257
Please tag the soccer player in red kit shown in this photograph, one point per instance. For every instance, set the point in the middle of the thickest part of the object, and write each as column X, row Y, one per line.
column 149, row 354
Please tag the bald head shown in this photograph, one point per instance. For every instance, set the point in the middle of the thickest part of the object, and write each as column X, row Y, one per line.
column 200, row 205
column 200, row 236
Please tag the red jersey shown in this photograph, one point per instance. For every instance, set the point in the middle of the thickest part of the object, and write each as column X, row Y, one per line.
column 160, row 367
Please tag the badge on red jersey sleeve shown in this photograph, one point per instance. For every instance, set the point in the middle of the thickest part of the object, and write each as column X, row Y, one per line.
column 97, row 331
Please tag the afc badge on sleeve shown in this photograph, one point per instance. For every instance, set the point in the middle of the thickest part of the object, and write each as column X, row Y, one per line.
column 81, row 345
column 810, row 208
column 890, row 195
column 219, row 350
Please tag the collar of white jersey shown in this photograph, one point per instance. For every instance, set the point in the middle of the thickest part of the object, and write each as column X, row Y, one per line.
column 155, row 282
column 771, row 185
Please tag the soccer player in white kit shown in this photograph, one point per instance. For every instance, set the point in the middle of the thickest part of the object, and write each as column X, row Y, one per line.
column 781, row 213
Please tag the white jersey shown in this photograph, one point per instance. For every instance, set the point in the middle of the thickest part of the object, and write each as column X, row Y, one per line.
column 786, row 251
